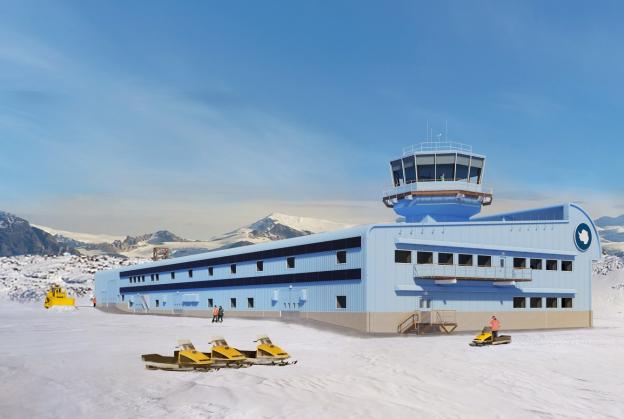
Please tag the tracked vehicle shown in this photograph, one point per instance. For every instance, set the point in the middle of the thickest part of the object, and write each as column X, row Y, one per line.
column 267, row 353
column 185, row 358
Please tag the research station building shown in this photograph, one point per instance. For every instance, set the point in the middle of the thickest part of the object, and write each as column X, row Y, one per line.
column 443, row 267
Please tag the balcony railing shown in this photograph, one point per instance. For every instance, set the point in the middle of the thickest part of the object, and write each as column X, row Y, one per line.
column 474, row 273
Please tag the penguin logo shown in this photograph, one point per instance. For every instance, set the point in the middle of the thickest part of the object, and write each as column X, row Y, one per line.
column 582, row 237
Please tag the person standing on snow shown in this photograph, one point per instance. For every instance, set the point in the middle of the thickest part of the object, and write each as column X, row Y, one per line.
column 495, row 326
column 220, row 312
column 215, row 314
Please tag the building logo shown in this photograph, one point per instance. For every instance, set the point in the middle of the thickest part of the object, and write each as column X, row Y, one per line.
column 582, row 237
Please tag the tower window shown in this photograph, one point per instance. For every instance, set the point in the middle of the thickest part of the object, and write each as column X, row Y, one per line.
column 465, row 260
column 551, row 265
column 341, row 256
column 566, row 265
column 290, row 262
column 425, row 168
column 259, row 266
column 397, row 172
column 484, row 261
column 424, row 257
column 402, row 256
column 341, row 301
column 536, row 264
column 445, row 258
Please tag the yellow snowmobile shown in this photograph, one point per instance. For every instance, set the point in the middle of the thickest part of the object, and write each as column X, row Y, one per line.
column 267, row 353
column 56, row 296
column 222, row 355
column 185, row 358
column 487, row 338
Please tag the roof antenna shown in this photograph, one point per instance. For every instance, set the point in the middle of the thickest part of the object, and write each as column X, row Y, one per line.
column 446, row 129
column 427, row 136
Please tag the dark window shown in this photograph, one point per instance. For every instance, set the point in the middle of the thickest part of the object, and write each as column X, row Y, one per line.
column 536, row 302
column 425, row 168
column 172, row 275
column 290, row 262
column 397, row 172
column 232, row 302
column 519, row 302
column 341, row 301
column 250, row 302
column 157, row 277
column 143, row 278
column 502, row 262
column 410, row 169
column 402, row 256
column 157, row 303
column 424, row 257
column 476, row 167
column 152, row 277
column 566, row 302
column 123, row 297
column 551, row 265
column 210, row 270
column 445, row 167
column 233, row 268
column 445, row 258
column 484, row 260
column 461, row 171
column 341, row 256
column 190, row 273
column 551, row 302
column 536, row 264
column 465, row 260
column 519, row 263
column 210, row 302
column 259, row 266
column 566, row 265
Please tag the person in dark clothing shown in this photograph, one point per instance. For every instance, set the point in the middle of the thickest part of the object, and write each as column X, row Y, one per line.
column 220, row 314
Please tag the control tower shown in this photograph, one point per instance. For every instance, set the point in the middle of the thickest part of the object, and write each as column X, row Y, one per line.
column 437, row 181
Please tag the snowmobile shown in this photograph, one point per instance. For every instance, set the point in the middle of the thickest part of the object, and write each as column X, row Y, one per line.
column 222, row 355
column 185, row 358
column 56, row 296
column 487, row 338
column 267, row 353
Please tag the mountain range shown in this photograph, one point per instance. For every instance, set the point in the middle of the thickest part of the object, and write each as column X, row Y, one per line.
column 18, row 237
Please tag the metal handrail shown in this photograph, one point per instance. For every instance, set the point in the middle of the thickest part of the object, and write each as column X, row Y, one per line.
column 437, row 146
column 411, row 319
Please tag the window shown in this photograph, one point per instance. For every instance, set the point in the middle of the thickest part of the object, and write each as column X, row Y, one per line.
column 476, row 167
column 123, row 297
column 461, row 168
column 210, row 303
column 536, row 264
column 410, row 169
column 519, row 302
column 425, row 168
column 397, row 172
column 157, row 303
column 190, row 273
column 143, row 278
column 152, row 277
column 502, row 262
column 445, row 167
column 551, row 265
column 402, row 256
column 519, row 263
column 210, row 270
column 551, row 302
column 465, row 260
column 445, row 258
column 260, row 266
column 233, row 268
column 157, row 277
column 566, row 302
column 232, row 302
column 566, row 265
column 341, row 256
column 484, row 260
column 172, row 275
column 424, row 257
column 290, row 262
column 341, row 301
column 250, row 302
column 536, row 302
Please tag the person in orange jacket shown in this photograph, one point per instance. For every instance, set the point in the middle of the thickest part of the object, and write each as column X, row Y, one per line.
column 495, row 326
column 215, row 314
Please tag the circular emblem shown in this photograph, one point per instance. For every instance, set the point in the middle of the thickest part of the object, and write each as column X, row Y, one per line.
column 582, row 237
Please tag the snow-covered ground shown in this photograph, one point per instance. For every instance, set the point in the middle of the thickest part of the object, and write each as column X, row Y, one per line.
column 87, row 364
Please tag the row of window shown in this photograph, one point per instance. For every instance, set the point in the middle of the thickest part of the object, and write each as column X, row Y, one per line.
column 405, row 256
column 536, row 302
column 440, row 167
column 341, row 302
column 341, row 258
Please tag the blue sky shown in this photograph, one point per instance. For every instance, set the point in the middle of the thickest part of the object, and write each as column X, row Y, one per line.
column 123, row 117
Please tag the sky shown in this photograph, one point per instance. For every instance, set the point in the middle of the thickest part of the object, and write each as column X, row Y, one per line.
column 202, row 116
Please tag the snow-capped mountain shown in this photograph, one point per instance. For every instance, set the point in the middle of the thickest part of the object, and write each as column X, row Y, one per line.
column 18, row 237
column 611, row 230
